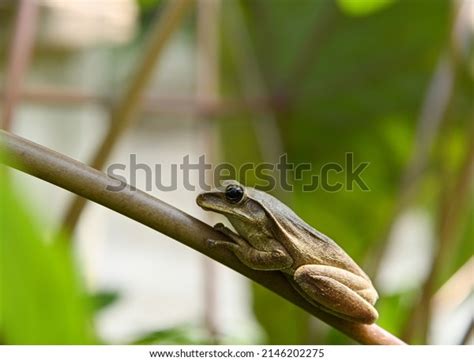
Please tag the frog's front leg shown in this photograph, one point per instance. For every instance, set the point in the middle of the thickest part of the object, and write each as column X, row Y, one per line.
column 250, row 256
column 340, row 292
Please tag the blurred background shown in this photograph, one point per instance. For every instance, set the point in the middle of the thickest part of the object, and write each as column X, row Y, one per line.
column 240, row 81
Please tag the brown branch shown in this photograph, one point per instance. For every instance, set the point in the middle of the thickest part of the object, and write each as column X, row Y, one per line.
column 94, row 185
column 126, row 109
column 19, row 58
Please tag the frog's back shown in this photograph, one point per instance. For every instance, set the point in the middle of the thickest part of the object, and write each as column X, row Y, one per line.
column 329, row 252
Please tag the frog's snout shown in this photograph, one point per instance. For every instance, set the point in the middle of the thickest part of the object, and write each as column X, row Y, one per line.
column 200, row 200
column 206, row 201
column 210, row 201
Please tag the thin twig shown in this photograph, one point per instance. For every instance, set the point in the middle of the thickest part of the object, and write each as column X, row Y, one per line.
column 268, row 134
column 322, row 30
column 94, row 185
column 126, row 109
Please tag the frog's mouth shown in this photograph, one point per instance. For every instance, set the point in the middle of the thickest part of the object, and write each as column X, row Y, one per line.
column 211, row 202
column 216, row 203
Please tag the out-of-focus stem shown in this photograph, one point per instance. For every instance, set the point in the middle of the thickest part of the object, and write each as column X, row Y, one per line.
column 19, row 58
column 436, row 102
column 125, row 111
column 468, row 335
column 451, row 209
column 455, row 290
column 432, row 112
column 305, row 60
column 451, row 204
column 253, row 84
column 150, row 105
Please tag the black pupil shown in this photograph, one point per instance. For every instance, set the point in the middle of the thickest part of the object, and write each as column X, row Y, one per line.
column 234, row 193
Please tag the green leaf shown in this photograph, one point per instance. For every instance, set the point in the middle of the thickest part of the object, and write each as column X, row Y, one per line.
column 180, row 335
column 103, row 300
column 362, row 7
column 394, row 310
column 148, row 4
column 42, row 298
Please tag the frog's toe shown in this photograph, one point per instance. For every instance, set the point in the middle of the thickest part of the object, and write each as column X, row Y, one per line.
column 219, row 226
column 223, row 229
column 212, row 243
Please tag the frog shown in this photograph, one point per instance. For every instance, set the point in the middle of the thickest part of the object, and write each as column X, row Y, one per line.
column 269, row 236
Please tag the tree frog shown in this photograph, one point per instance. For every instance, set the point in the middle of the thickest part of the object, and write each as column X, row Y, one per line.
column 271, row 237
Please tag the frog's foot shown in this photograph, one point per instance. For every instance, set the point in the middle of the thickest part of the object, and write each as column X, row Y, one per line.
column 340, row 292
column 234, row 237
column 251, row 257
column 230, row 234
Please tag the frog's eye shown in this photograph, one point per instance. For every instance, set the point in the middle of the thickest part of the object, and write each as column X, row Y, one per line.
column 234, row 193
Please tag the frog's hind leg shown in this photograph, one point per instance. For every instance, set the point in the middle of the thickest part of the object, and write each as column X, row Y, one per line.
column 340, row 292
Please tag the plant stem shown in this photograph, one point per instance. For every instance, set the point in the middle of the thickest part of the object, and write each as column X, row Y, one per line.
column 94, row 185
column 451, row 207
column 21, row 50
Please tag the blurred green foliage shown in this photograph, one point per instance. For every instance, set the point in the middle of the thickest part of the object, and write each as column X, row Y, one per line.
column 180, row 335
column 145, row 5
column 42, row 300
column 346, row 83
column 362, row 7
column 102, row 300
